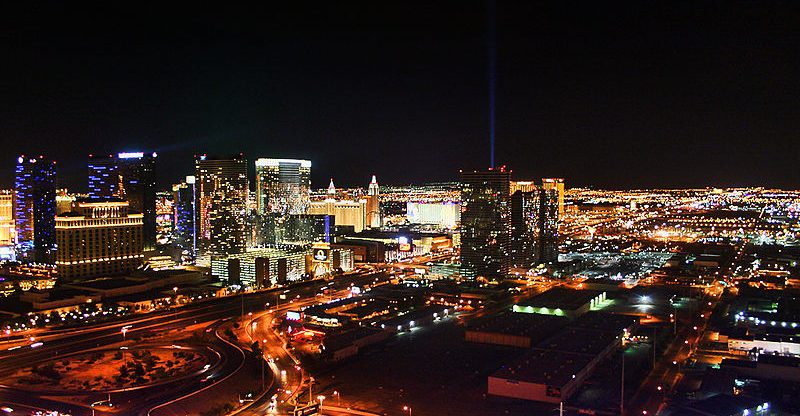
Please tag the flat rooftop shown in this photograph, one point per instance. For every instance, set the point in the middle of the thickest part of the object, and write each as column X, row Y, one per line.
column 561, row 298
column 343, row 339
column 531, row 325
column 600, row 321
column 580, row 341
column 553, row 368
column 108, row 283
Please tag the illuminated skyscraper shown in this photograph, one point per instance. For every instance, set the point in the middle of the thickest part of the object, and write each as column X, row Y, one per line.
column 7, row 226
column 132, row 177
column 184, row 219
column 221, row 207
column 534, row 227
column 35, row 208
column 525, row 227
column 485, row 223
column 374, row 204
column 548, row 224
column 283, row 185
column 556, row 184
column 524, row 186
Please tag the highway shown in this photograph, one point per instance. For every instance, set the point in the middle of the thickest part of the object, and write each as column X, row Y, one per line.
column 62, row 342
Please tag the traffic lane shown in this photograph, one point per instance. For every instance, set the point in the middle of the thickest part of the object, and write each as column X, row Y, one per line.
column 131, row 401
column 55, row 350
column 288, row 375
column 235, row 362
column 229, row 303
column 83, row 339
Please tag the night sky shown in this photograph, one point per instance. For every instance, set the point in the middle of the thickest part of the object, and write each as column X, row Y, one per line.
column 646, row 94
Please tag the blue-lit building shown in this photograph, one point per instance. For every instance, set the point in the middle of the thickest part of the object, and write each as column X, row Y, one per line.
column 35, row 208
column 129, row 176
column 184, row 237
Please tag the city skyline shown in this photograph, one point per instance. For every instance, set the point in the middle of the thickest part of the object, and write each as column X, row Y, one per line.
column 446, row 208
column 588, row 93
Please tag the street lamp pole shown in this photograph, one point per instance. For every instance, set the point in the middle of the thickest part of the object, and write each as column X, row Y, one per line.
column 321, row 399
column 175, row 290
column 124, row 331
column 622, row 387
column 407, row 409
column 654, row 347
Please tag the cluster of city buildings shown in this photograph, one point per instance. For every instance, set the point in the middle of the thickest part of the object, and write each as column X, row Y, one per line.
column 507, row 224
column 214, row 219
column 211, row 216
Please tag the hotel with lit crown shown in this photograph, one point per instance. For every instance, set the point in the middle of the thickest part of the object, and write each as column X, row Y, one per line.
column 99, row 237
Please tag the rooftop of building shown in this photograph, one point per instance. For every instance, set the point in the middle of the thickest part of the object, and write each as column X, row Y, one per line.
column 720, row 405
column 416, row 315
column 561, row 298
column 107, row 283
column 553, row 368
column 781, row 360
column 98, row 200
column 366, row 308
column 372, row 233
column 535, row 326
column 340, row 340
column 600, row 321
column 580, row 341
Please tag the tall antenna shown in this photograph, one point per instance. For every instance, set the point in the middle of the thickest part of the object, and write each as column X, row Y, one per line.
column 492, row 11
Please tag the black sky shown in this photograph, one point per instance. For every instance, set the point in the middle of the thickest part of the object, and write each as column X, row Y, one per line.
column 637, row 94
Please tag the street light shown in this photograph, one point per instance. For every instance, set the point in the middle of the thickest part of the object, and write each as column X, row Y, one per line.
column 407, row 409
column 175, row 290
column 338, row 398
column 124, row 331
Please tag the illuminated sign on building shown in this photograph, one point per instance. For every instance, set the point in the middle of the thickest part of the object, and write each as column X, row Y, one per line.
column 131, row 155
column 320, row 254
column 405, row 245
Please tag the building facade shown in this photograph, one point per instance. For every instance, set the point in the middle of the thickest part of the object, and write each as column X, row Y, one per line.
column 556, row 184
column 346, row 212
column 283, row 186
column 534, row 227
column 374, row 219
column 221, row 204
column 270, row 266
column 7, row 226
column 184, row 219
column 129, row 176
column 548, row 226
column 525, row 228
column 485, row 223
column 98, row 238
column 445, row 214
column 35, row 209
